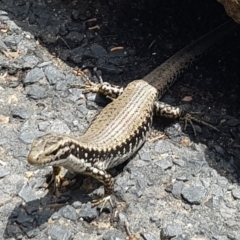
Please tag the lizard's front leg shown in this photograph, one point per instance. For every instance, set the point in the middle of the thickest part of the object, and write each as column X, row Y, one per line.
column 107, row 180
column 105, row 88
column 167, row 111
column 55, row 181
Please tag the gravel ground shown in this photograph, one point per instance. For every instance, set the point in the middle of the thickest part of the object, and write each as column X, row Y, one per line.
column 179, row 187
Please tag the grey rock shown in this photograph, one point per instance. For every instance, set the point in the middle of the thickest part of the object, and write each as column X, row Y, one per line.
column 174, row 130
column 3, row 13
column 3, row 45
column 58, row 126
column 113, row 235
column 37, row 92
column 14, row 231
column 88, row 213
column 194, row 194
column 222, row 181
column 186, row 237
column 182, row 176
column 219, row 149
column 195, row 165
column 16, row 182
column 83, row 110
column 33, row 233
column 236, row 193
column 145, row 156
column 5, row 198
column 30, row 61
column 74, row 39
column 233, row 122
column 122, row 219
column 61, row 85
column 148, row 236
column 179, row 162
column 34, row 75
column 77, row 204
column 217, row 200
column 56, row 215
column 69, row 212
column 24, row 220
column 12, row 40
column 4, row 171
column 216, row 190
column 165, row 163
column 42, row 126
column 59, row 233
column 44, row 64
column 53, row 75
column 98, row 51
column 27, row 193
column 177, row 189
column 21, row 113
column 227, row 213
column 170, row 231
column 28, row 136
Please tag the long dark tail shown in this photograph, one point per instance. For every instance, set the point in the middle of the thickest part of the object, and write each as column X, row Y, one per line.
column 166, row 74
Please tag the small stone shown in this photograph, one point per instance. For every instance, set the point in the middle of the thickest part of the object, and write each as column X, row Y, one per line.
column 233, row 122
column 53, row 75
column 179, row 162
column 170, row 231
column 236, row 193
column 12, row 41
column 77, row 204
column 37, row 92
column 219, row 149
column 222, row 181
column 69, row 212
column 27, row 193
column 24, row 219
column 182, row 176
column 145, row 156
column 113, row 235
column 148, row 236
column 5, row 198
column 217, row 200
column 58, row 126
column 34, row 75
column 98, row 51
column 4, row 171
column 88, row 213
column 177, row 189
column 33, row 233
column 165, row 163
column 194, row 194
column 27, row 136
column 227, row 213
column 74, row 39
column 21, row 113
column 59, row 233
column 30, row 61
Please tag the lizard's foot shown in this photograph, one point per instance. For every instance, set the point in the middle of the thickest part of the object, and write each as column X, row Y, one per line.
column 56, row 182
column 109, row 90
column 102, row 200
column 88, row 85
column 188, row 118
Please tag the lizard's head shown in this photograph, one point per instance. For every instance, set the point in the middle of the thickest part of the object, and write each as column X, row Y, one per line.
column 45, row 149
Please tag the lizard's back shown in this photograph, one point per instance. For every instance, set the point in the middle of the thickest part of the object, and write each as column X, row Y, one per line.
column 121, row 127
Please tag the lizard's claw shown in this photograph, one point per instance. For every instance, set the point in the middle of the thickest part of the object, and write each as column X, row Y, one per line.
column 188, row 118
column 56, row 182
column 102, row 200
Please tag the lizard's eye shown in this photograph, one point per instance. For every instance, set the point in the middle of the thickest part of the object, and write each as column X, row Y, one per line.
column 52, row 153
